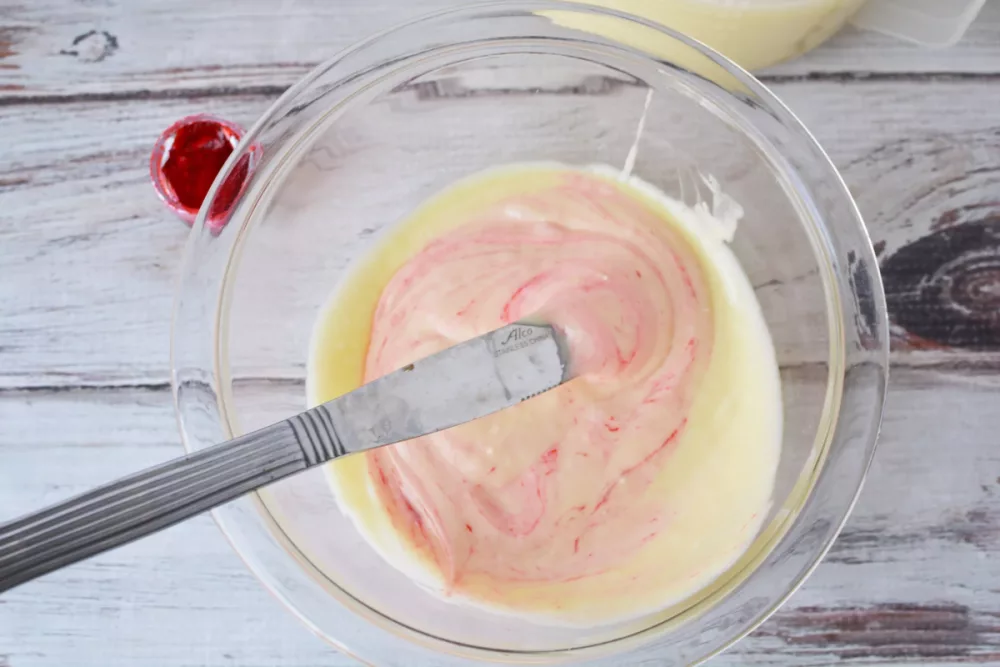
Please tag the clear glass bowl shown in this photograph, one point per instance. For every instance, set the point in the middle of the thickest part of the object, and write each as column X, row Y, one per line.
column 380, row 127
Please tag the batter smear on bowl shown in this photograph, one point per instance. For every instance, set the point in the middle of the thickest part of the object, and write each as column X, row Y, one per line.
column 622, row 492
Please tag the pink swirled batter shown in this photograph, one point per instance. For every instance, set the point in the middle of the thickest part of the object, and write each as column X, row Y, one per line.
column 554, row 489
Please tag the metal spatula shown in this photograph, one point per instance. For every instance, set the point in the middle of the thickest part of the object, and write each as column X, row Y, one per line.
column 464, row 382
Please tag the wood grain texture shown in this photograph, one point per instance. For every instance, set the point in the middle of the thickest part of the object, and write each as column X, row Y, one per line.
column 913, row 576
column 52, row 49
column 88, row 261
column 85, row 239
column 181, row 597
column 80, row 223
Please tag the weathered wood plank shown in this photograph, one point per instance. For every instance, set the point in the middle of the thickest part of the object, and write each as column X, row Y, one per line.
column 88, row 261
column 180, row 597
column 86, row 245
column 913, row 576
column 81, row 226
column 50, row 48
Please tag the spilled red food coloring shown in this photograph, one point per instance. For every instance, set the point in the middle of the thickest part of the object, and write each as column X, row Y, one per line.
column 186, row 160
column 195, row 158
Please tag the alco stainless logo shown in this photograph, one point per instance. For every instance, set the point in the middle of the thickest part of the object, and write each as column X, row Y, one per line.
column 515, row 337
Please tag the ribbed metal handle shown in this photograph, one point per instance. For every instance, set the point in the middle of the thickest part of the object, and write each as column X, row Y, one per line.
column 153, row 499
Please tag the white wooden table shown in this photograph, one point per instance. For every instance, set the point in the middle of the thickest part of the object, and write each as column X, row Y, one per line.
column 88, row 260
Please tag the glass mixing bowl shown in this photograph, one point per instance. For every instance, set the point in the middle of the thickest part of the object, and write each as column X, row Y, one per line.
column 380, row 127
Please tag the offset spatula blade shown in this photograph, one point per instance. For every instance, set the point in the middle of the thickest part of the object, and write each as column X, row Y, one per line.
column 459, row 384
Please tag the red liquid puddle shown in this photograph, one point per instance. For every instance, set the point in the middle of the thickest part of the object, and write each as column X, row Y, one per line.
column 194, row 159
column 186, row 160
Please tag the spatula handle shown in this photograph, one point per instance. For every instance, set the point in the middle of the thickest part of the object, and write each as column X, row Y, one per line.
column 148, row 501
